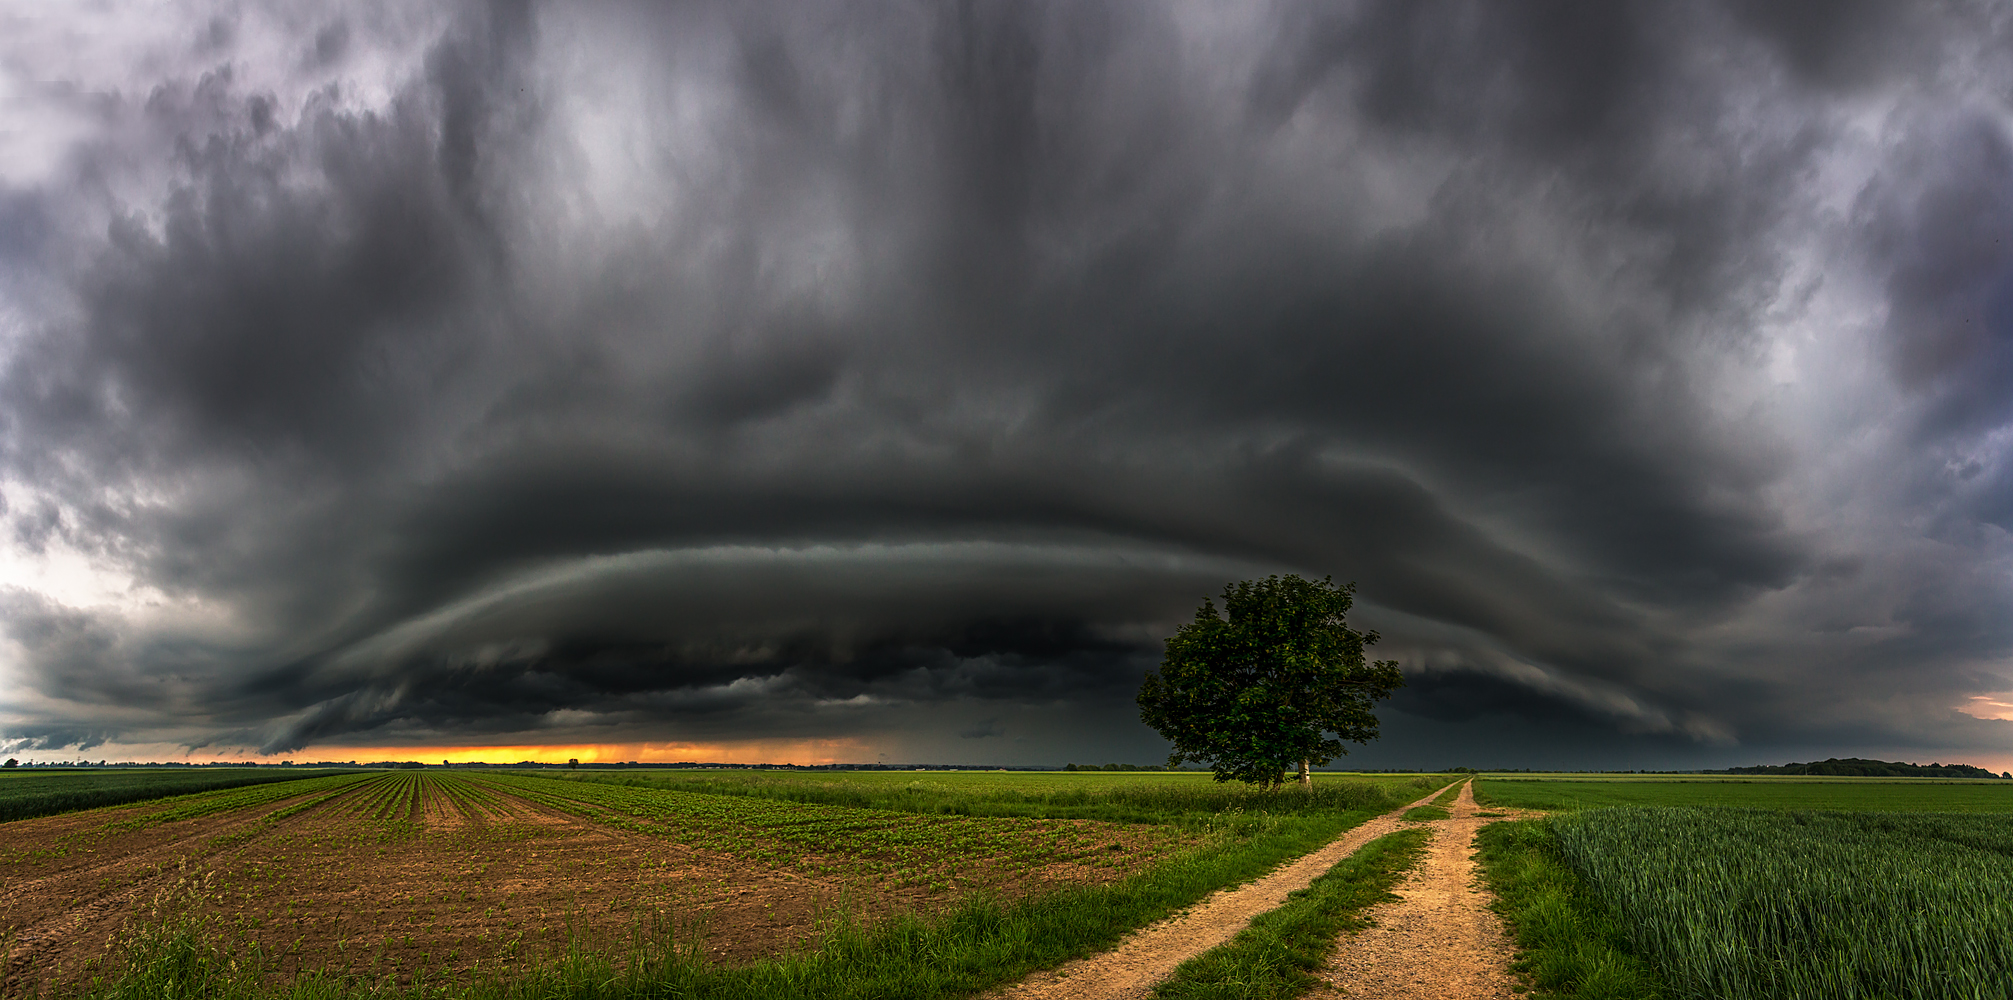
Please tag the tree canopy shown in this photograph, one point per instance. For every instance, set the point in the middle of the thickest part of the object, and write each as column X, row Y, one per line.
column 1278, row 679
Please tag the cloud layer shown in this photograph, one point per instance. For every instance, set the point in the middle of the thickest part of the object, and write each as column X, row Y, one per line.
column 904, row 372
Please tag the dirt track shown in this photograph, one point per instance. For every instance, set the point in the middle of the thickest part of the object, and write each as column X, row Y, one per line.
column 1439, row 940
column 1149, row 956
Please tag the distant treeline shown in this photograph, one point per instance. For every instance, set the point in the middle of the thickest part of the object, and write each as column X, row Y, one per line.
column 1861, row 768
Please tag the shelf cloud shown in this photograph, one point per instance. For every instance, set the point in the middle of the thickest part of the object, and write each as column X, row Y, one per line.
column 901, row 374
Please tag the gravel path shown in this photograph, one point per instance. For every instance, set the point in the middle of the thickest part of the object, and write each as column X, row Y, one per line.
column 1439, row 940
column 1150, row 955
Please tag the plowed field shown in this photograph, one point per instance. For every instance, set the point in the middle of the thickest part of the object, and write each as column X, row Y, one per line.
column 395, row 873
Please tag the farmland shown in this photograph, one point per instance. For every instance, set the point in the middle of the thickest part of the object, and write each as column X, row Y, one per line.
column 26, row 793
column 1875, row 794
column 1135, row 797
column 465, row 877
column 1770, row 888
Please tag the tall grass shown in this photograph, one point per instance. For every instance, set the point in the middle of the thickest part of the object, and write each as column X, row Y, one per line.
column 1750, row 904
column 1569, row 944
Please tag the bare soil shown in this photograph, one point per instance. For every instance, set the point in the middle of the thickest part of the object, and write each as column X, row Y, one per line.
column 450, row 886
column 1439, row 940
column 1149, row 956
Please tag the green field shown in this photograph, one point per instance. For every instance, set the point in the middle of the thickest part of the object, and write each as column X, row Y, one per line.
column 1869, row 794
column 29, row 792
column 1775, row 887
column 1757, row 903
column 1117, row 796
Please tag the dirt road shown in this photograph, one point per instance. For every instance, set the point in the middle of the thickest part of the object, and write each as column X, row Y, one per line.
column 1149, row 956
column 1439, row 940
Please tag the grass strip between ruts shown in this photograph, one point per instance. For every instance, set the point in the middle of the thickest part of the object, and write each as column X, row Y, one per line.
column 1568, row 944
column 977, row 945
column 1452, row 792
column 1274, row 958
column 1437, row 810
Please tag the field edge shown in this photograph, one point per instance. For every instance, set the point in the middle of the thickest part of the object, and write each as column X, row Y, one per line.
column 1568, row 945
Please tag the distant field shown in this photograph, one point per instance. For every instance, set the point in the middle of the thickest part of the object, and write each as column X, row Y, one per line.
column 1117, row 796
column 461, row 877
column 970, row 782
column 1867, row 794
column 29, row 792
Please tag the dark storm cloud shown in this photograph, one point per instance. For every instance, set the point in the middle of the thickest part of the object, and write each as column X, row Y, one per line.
column 721, row 372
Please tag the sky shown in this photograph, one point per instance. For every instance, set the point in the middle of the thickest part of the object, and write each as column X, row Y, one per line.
column 864, row 382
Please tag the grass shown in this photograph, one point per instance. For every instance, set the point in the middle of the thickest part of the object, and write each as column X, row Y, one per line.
column 1437, row 809
column 1857, row 794
column 1756, row 904
column 26, row 793
column 1124, row 797
column 1568, row 944
column 1274, row 958
column 981, row 941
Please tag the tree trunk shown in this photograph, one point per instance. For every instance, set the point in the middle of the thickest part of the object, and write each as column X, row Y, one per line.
column 1306, row 778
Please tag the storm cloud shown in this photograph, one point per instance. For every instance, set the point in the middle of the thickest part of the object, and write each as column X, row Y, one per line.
column 903, row 373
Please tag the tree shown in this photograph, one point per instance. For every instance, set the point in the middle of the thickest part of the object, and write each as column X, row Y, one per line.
column 1278, row 679
column 11, row 762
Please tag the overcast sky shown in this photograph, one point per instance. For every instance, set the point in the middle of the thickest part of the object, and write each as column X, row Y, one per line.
column 885, row 381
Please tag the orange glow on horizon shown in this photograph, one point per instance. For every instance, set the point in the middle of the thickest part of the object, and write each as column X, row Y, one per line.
column 837, row 751
column 775, row 751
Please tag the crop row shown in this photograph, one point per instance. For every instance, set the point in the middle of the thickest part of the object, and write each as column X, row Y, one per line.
column 27, row 794
column 472, row 799
column 905, row 847
column 230, row 800
column 271, row 819
column 392, row 804
column 336, row 789
column 1752, row 904
column 396, row 803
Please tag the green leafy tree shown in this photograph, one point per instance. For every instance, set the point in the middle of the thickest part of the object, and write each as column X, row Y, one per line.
column 1278, row 679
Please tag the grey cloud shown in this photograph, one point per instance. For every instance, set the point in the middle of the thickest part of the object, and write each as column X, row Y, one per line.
column 753, row 371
